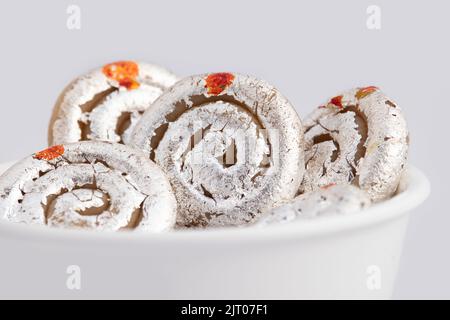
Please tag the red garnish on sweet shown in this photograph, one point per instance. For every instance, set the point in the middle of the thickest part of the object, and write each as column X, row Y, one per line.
column 337, row 101
column 50, row 153
column 217, row 82
column 124, row 72
column 328, row 186
column 364, row 92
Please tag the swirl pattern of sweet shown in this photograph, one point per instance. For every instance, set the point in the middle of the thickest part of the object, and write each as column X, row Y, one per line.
column 106, row 103
column 358, row 137
column 88, row 185
column 231, row 146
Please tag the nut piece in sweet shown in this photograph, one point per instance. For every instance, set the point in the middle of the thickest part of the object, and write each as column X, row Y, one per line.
column 217, row 82
column 50, row 153
column 231, row 146
column 358, row 137
column 124, row 72
column 106, row 103
column 88, row 185
column 327, row 201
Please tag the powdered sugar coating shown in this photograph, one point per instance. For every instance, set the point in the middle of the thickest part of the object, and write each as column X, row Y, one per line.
column 324, row 202
column 192, row 127
column 91, row 185
column 96, row 107
column 358, row 137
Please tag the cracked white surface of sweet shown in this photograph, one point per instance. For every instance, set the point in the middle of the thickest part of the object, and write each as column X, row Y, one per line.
column 330, row 201
column 365, row 142
column 105, row 117
column 89, row 176
column 65, row 127
column 248, row 115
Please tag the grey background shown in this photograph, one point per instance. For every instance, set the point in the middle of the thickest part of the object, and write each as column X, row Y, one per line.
column 309, row 50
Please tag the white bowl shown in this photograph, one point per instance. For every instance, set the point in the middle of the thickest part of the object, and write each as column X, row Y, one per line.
column 354, row 256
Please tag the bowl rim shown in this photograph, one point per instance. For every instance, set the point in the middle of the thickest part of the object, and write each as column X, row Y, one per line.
column 417, row 189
